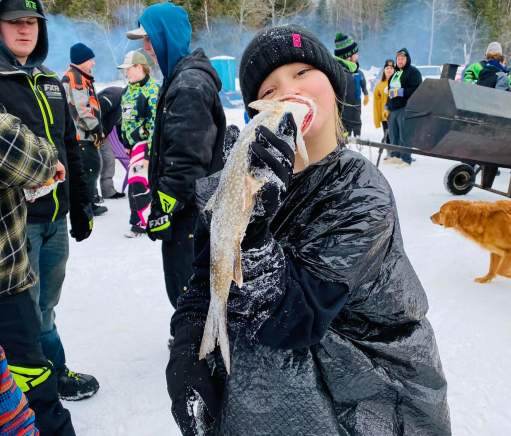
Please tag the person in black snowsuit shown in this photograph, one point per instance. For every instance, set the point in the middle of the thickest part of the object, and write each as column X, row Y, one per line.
column 329, row 334
column 111, row 117
column 403, row 83
column 188, row 137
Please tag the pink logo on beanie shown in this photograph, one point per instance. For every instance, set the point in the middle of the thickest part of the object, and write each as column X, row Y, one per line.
column 297, row 40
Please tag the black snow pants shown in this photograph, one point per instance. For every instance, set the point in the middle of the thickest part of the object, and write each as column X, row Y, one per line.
column 178, row 253
column 140, row 199
column 91, row 163
column 20, row 330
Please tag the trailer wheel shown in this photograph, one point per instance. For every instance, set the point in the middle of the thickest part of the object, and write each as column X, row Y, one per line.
column 459, row 179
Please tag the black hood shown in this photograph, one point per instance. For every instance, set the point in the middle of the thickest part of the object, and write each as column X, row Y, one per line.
column 38, row 56
column 198, row 60
column 407, row 54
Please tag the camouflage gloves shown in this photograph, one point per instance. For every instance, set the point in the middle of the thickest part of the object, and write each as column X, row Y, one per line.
column 82, row 221
column 271, row 156
column 160, row 218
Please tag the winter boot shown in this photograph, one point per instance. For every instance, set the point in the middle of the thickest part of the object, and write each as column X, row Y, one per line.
column 135, row 232
column 73, row 386
column 98, row 210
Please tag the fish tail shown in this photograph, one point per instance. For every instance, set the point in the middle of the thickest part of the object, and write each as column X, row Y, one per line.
column 215, row 331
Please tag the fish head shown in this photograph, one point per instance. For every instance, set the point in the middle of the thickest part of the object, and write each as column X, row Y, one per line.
column 303, row 110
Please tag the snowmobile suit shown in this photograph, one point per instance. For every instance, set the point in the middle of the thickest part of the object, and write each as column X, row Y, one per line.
column 138, row 187
column 83, row 102
column 27, row 161
column 86, row 112
column 110, row 103
column 138, row 103
column 329, row 331
column 36, row 96
column 187, row 140
column 185, row 148
column 39, row 100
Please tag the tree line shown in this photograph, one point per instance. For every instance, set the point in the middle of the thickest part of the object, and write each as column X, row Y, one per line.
column 442, row 30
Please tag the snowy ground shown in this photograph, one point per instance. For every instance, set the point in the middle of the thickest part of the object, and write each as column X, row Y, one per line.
column 114, row 313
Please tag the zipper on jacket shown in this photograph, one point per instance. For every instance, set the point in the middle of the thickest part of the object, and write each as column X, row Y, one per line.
column 48, row 108
column 46, row 115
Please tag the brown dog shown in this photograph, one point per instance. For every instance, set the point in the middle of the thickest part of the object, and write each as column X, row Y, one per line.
column 487, row 224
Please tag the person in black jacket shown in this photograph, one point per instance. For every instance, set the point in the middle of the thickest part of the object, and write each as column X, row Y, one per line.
column 85, row 110
column 328, row 333
column 111, row 117
column 402, row 85
column 494, row 74
column 187, row 140
column 36, row 96
column 346, row 53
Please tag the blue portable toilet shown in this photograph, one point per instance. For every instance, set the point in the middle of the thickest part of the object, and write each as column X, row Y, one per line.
column 225, row 66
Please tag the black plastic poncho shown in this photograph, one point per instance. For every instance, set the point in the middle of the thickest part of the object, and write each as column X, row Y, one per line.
column 376, row 369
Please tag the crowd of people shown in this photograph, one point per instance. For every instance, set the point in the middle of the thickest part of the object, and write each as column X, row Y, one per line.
column 330, row 324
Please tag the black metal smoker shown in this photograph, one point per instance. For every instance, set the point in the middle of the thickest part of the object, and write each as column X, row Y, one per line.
column 459, row 121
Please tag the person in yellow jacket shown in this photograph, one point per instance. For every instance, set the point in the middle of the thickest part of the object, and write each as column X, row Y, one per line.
column 381, row 94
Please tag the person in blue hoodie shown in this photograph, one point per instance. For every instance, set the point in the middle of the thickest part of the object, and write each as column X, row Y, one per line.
column 187, row 140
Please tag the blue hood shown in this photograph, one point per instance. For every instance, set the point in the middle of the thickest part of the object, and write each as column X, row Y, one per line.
column 170, row 32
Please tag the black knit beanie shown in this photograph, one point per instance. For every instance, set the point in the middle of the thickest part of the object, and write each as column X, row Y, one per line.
column 344, row 46
column 80, row 53
column 277, row 46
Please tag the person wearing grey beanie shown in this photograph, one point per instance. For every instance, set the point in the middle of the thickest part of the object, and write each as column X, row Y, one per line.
column 329, row 296
column 492, row 53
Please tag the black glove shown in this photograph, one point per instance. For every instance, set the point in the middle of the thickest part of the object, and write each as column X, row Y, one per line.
column 159, row 223
column 190, row 379
column 82, row 221
column 271, row 152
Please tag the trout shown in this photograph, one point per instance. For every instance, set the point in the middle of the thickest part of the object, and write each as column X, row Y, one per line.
column 232, row 205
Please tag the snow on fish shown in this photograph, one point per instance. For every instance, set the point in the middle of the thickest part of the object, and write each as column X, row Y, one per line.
column 232, row 205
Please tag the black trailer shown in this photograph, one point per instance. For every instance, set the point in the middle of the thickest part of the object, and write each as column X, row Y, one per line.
column 459, row 121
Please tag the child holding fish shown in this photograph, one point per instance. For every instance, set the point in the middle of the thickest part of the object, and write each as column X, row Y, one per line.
column 325, row 315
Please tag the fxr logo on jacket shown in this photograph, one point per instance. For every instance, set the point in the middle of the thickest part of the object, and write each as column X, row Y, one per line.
column 52, row 91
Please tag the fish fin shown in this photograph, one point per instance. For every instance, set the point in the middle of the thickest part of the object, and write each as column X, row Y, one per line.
column 252, row 186
column 238, row 273
column 215, row 331
column 302, row 150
